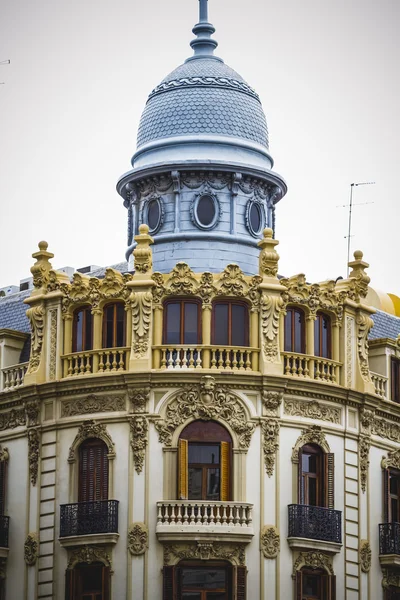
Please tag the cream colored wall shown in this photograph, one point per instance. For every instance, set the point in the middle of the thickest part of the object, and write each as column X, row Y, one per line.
column 375, row 495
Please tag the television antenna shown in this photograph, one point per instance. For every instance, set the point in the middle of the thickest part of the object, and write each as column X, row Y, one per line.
column 350, row 207
column 4, row 62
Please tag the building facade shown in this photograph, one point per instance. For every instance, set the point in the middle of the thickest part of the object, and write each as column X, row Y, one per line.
column 189, row 424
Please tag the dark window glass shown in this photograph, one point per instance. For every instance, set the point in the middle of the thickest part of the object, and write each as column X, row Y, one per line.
column 203, row 579
column 322, row 336
column 82, row 337
column 395, row 380
column 206, row 210
column 181, row 322
column 114, row 326
column 394, row 496
column 311, row 475
column 294, row 331
column 153, row 214
column 255, row 217
column 204, row 473
column 230, row 324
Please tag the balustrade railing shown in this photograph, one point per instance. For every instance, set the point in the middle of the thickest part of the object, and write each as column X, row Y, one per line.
column 389, row 538
column 380, row 383
column 4, row 525
column 192, row 514
column 106, row 360
column 85, row 518
column 13, row 377
column 311, row 367
column 222, row 358
column 315, row 523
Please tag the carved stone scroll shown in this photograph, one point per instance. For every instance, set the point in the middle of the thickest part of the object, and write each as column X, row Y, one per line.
column 270, row 430
column 92, row 404
column 138, row 539
column 313, row 435
column 313, row 560
column 141, row 304
column 88, row 554
column 36, row 316
column 33, row 454
column 365, row 556
column 270, row 541
column 91, row 429
column 234, row 553
column 312, row 409
column 139, row 428
column 31, row 549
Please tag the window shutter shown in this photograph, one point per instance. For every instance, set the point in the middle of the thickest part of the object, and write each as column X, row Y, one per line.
column 183, row 484
column 93, row 472
column 386, row 499
column 241, row 576
column 332, row 580
column 300, row 492
column 329, row 482
column 106, row 583
column 225, row 471
column 168, row 583
column 299, row 585
column 70, row 584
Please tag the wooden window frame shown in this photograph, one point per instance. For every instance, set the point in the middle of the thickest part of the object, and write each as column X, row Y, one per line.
column 325, row 477
column 318, row 325
column 3, row 486
column 213, row 432
column 115, row 305
column 388, row 496
column 182, row 302
column 73, row 580
column 395, row 379
column 290, row 314
column 85, row 346
column 231, row 303
column 327, row 585
column 236, row 583
column 84, row 478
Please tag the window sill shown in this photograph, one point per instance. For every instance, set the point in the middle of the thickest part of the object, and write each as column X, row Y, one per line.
column 389, row 560
column 4, row 552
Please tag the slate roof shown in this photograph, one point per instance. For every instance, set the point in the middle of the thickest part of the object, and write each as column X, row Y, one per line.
column 122, row 267
column 385, row 326
column 203, row 96
column 13, row 312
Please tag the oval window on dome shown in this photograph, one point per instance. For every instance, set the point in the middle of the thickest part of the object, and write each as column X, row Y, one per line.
column 205, row 211
column 154, row 214
column 255, row 218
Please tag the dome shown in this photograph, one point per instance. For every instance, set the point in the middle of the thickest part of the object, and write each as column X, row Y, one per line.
column 203, row 112
column 203, row 96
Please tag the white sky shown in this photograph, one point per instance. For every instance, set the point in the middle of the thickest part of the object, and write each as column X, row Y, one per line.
column 326, row 71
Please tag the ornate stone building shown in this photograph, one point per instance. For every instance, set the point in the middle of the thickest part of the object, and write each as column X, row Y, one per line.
column 189, row 424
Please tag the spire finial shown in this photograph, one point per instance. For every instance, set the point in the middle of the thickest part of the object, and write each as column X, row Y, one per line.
column 203, row 45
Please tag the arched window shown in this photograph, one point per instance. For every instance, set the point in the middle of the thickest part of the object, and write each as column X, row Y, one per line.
column 295, row 339
column 230, row 324
column 82, row 333
column 182, row 322
column 315, row 584
column 322, row 336
column 93, row 471
column 205, row 449
column 316, row 477
column 88, row 582
column 114, row 326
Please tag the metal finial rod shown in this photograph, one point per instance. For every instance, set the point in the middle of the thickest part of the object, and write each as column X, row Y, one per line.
column 203, row 11
column 352, row 185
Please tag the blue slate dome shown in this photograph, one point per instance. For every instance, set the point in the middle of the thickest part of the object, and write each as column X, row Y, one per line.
column 203, row 96
column 203, row 112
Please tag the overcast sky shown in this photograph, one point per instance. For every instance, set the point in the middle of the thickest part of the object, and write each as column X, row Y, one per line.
column 327, row 73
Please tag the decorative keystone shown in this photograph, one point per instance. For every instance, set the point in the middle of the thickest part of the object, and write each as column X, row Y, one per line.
column 142, row 253
column 358, row 273
column 269, row 258
column 40, row 270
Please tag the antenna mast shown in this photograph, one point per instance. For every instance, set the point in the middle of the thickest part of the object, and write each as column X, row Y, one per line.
column 350, row 205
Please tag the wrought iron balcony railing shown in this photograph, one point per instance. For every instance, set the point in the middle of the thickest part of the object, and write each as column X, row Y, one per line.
column 389, row 538
column 4, row 523
column 315, row 523
column 88, row 518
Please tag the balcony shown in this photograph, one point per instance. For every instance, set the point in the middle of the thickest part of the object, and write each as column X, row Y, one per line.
column 212, row 521
column 314, row 527
column 106, row 360
column 311, row 367
column 13, row 377
column 221, row 358
column 4, row 525
column 380, row 383
column 389, row 544
column 89, row 523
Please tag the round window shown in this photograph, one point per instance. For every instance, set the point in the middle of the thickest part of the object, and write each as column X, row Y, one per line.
column 206, row 210
column 254, row 217
column 153, row 214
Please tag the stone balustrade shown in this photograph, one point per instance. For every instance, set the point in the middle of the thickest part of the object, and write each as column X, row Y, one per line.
column 311, row 367
column 221, row 358
column 380, row 383
column 13, row 377
column 221, row 520
column 106, row 360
